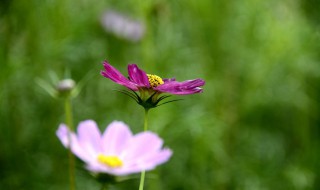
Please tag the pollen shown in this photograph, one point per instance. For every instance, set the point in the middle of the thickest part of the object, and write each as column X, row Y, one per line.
column 111, row 161
column 154, row 80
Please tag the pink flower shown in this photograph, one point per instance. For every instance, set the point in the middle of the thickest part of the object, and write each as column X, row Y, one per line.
column 150, row 84
column 138, row 79
column 123, row 26
column 117, row 151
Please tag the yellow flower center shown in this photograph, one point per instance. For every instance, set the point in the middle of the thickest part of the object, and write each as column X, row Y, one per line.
column 111, row 161
column 154, row 80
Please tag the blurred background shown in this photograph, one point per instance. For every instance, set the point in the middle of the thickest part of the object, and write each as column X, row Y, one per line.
column 255, row 127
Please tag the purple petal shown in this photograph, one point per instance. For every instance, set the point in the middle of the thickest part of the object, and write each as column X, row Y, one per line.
column 115, row 137
column 169, row 80
column 63, row 133
column 89, row 137
column 182, row 88
column 138, row 76
column 114, row 75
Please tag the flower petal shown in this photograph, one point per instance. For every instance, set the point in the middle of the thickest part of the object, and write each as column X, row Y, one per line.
column 157, row 158
column 114, row 75
column 97, row 168
column 140, row 145
column 182, row 88
column 100, row 168
column 115, row 137
column 150, row 161
column 169, row 80
column 63, row 133
column 138, row 76
column 89, row 137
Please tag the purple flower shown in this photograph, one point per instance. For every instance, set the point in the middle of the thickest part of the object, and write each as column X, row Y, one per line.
column 117, row 151
column 150, row 84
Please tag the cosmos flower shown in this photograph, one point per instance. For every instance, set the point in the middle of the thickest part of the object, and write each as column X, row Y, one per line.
column 150, row 86
column 123, row 26
column 117, row 151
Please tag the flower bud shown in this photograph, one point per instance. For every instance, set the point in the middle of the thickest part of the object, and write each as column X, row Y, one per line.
column 65, row 86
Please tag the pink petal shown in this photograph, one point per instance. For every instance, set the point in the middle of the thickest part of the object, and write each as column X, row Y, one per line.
column 138, row 76
column 182, row 88
column 169, row 80
column 114, row 75
column 140, row 145
column 115, row 137
column 99, row 168
column 62, row 134
column 152, row 160
column 148, row 163
column 89, row 137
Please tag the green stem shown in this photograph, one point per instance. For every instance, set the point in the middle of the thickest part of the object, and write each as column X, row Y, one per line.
column 145, row 124
column 145, row 128
column 143, row 174
column 68, row 112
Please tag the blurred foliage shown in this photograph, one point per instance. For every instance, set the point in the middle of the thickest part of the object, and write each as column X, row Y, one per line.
column 255, row 127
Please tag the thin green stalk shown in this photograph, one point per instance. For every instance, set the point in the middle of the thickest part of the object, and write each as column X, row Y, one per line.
column 68, row 112
column 145, row 124
column 143, row 174
column 145, row 128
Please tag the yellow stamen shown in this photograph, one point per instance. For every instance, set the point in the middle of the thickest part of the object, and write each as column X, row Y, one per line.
column 111, row 161
column 154, row 80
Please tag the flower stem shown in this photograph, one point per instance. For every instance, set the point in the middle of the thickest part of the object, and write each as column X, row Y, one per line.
column 143, row 174
column 68, row 112
column 145, row 128
column 145, row 125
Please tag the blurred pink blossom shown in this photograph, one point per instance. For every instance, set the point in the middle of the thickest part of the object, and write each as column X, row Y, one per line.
column 122, row 26
column 117, row 151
